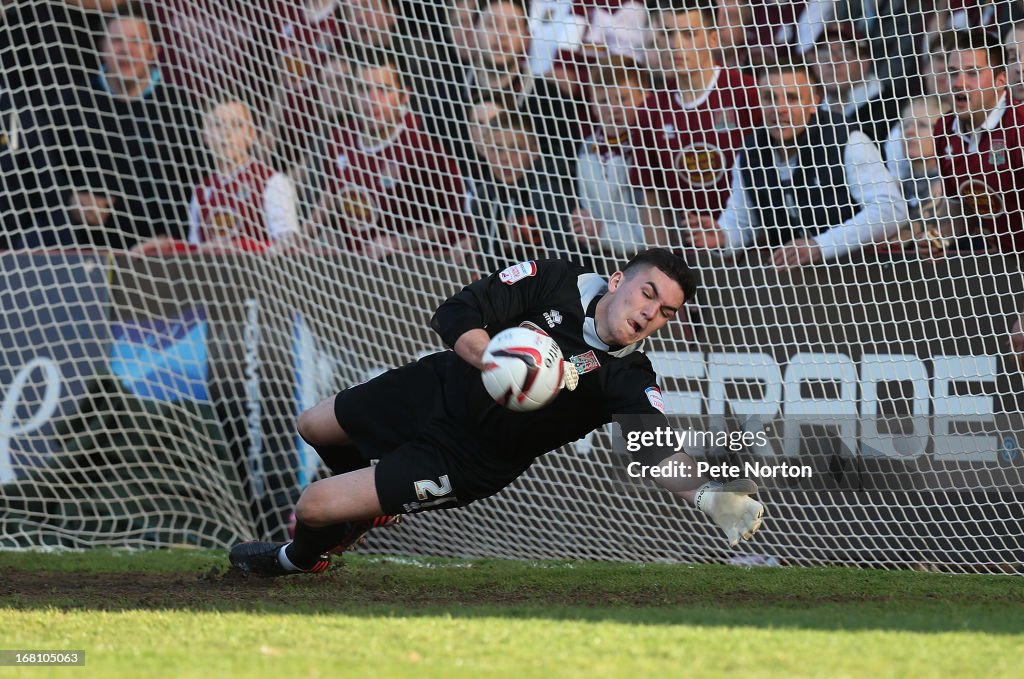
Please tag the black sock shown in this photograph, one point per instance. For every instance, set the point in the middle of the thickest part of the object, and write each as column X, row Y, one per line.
column 310, row 542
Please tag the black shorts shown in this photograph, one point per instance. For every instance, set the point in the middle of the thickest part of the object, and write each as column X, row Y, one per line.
column 427, row 457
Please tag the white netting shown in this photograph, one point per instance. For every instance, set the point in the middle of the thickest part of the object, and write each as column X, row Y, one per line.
column 217, row 213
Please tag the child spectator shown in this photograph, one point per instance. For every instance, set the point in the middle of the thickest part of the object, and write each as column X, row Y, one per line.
column 913, row 159
column 244, row 203
column 607, row 218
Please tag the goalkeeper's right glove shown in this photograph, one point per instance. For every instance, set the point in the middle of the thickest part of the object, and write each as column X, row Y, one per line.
column 729, row 506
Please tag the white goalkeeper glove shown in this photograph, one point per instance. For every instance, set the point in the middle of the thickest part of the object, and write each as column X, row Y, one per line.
column 729, row 506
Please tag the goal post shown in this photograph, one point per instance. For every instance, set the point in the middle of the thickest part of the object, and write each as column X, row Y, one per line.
column 217, row 214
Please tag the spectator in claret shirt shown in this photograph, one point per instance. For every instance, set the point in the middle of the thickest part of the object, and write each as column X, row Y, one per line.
column 393, row 187
column 334, row 111
column 688, row 133
column 308, row 34
column 982, row 145
column 244, row 204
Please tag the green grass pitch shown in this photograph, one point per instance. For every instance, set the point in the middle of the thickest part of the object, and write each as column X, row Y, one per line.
column 182, row 614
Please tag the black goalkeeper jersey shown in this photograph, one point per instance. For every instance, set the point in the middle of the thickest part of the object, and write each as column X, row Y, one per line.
column 558, row 298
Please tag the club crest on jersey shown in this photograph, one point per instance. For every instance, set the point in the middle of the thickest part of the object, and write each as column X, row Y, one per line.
column 222, row 224
column 654, row 396
column 553, row 317
column 518, row 272
column 584, row 363
column 341, row 162
column 359, row 208
column 668, row 132
column 700, row 164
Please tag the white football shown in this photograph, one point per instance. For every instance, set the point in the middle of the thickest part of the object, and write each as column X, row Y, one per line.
column 523, row 369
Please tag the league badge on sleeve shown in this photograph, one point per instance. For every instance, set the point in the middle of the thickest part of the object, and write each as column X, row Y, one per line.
column 654, row 396
column 518, row 272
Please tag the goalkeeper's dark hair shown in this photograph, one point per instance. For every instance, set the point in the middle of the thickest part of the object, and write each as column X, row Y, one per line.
column 669, row 263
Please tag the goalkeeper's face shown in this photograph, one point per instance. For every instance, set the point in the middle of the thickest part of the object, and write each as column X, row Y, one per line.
column 638, row 304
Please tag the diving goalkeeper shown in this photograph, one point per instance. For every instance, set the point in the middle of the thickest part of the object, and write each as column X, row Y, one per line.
column 441, row 441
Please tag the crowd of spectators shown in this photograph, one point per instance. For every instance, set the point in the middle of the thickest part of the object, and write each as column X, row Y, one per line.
column 486, row 131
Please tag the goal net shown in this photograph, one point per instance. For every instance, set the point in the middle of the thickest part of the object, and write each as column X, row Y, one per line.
column 218, row 213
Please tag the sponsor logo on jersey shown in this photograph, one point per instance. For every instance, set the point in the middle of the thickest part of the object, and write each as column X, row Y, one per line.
column 553, row 317
column 518, row 272
column 725, row 120
column 584, row 363
column 998, row 152
column 530, row 325
column 654, row 396
column 700, row 164
column 389, row 174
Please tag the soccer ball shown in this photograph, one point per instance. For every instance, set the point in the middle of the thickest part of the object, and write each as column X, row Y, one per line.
column 523, row 369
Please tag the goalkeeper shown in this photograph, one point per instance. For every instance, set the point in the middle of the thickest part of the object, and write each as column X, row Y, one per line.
column 442, row 442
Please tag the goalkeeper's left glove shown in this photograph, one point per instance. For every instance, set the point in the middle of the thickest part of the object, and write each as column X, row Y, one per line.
column 729, row 506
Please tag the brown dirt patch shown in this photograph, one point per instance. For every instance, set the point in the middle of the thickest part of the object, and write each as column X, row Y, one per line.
column 228, row 589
